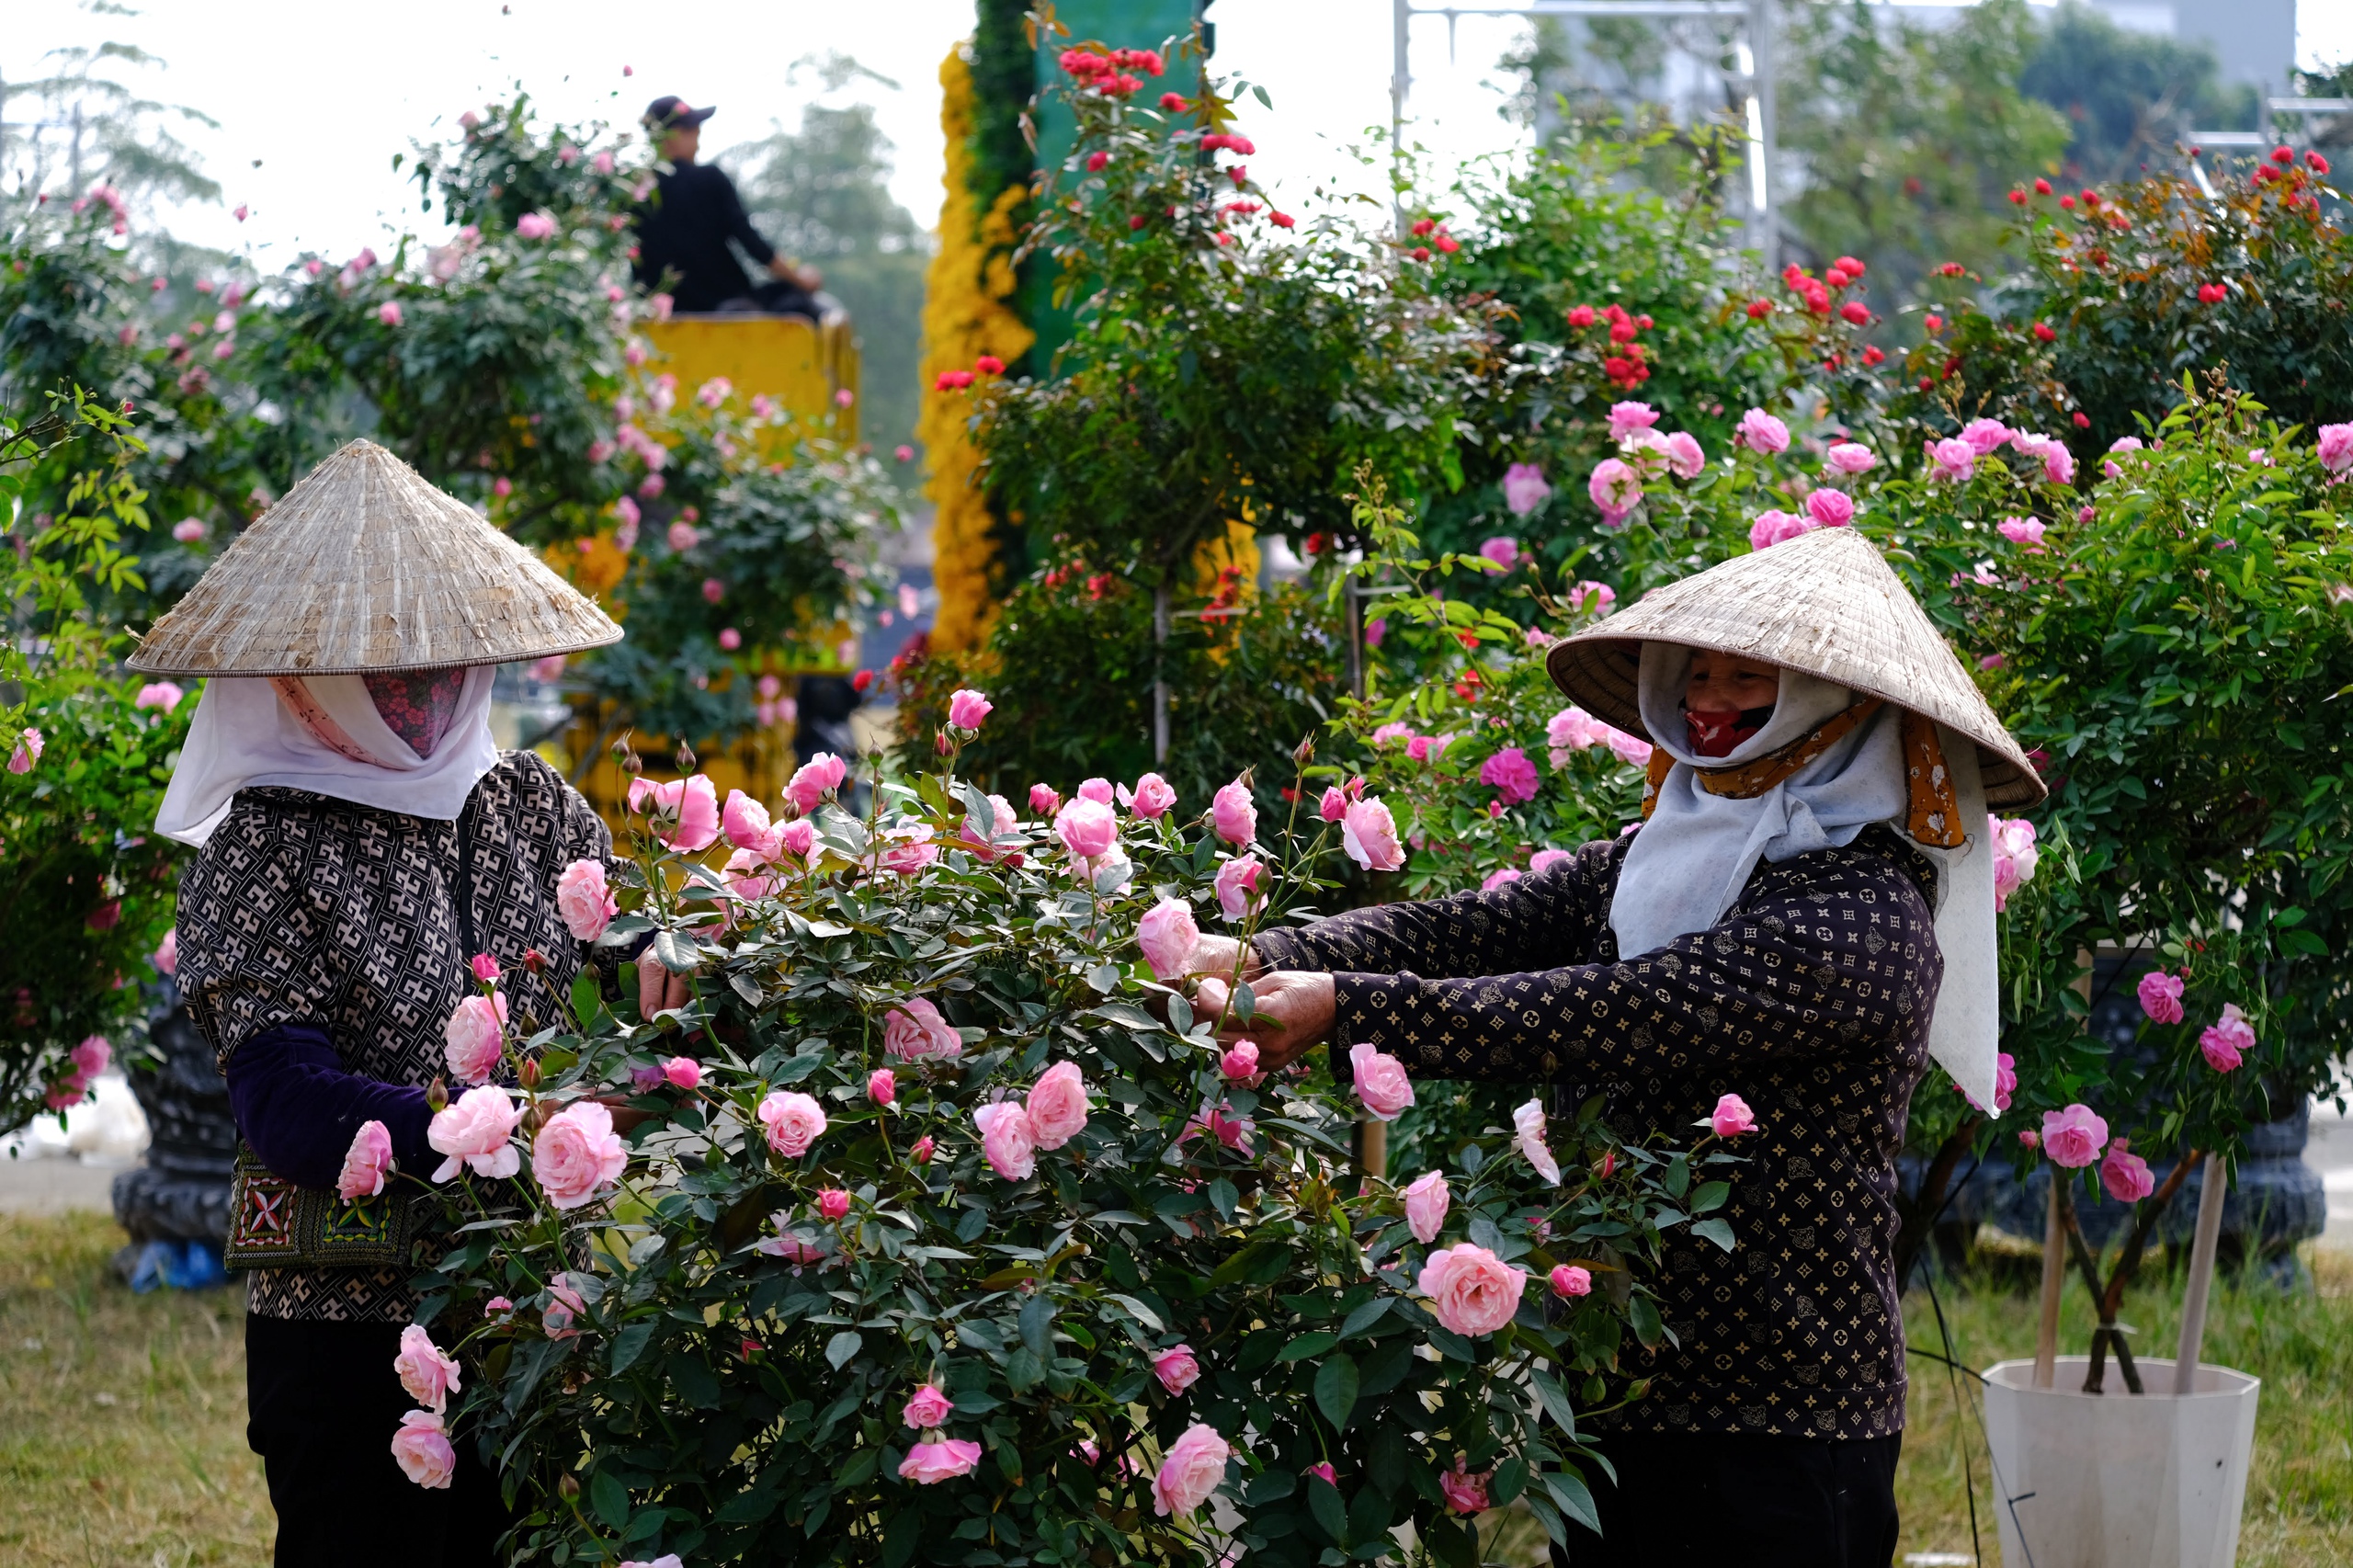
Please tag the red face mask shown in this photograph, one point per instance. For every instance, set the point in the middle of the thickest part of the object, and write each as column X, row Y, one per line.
column 1719, row 734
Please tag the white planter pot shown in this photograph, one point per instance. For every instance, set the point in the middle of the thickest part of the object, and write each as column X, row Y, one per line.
column 2119, row 1480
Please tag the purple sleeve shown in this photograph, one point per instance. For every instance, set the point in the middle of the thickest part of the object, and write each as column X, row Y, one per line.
column 298, row 1109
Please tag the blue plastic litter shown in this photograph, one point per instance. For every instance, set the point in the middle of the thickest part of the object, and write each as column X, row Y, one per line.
column 178, row 1266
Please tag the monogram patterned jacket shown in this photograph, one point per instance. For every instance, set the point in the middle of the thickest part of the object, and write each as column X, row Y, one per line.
column 1810, row 999
column 303, row 910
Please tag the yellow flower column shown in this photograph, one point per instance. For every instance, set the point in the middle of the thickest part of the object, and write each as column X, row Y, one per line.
column 964, row 316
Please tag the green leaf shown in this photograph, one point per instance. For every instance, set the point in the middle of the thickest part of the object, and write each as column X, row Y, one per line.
column 677, row 953
column 1710, row 1196
column 1716, row 1231
column 1335, row 1389
column 1643, row 1314
column 630, row 1344
column 1223, row 1197
column 1308, row 1345
column 609, row 1498
column 586, row 1002
column 1569, row 1489
column 1511, row 1480
column 1555, row 1400
column 1037, row 1326
column 1024, row 1370
column 1365, row 1316
column 1324, row 1502
column 842, row 1346
column 1450, row 1544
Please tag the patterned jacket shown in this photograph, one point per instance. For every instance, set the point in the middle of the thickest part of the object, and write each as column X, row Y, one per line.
column 1810, row 1000
column 307, row 910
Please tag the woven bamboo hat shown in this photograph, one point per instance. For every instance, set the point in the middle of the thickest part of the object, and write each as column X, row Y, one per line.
column 365, row 566
column 1824, row 602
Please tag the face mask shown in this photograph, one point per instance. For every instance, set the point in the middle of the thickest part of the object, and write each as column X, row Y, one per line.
column 418, row 705
column 1719, row 734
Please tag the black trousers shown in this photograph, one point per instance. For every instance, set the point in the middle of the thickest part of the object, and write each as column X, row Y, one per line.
column 321, row 1404
column 1760, row 1502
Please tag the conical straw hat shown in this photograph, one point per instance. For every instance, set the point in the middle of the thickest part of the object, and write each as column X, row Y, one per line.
column 366, row 566
column 1824, row 602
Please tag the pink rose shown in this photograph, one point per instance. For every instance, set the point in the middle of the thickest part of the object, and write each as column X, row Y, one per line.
column 2006, row 1084
column 1237, row 887
column 1380, row 1082
column 2058, row 462
column 1684, row 455
column 914, row 1031
column 1510, row 775
column 745, row 821
column 1369, row 834
column 1630, row 749
column 1544, row 860
column 576, row 1152
column 1097, row 789
column 908, row 851
column 1732, row 1116
column 793, row 1120
column 1426, row 1201
column 1524, row 489
column 1985, row 435
column 366, row 1163
column 28, row 752
column 1471, row 1291
column 1502, row 877
column 1003, row 823
column 473, row 1131
column 967, row 709
column 1571, row 1282
column 1760, row 432
column 1625, row 418
column 1528, row 1137
column 2226, row 1040
column 2336, row 447
column 1057, row 1105
column 2161, row 997
column 2014, row 857
column 188, row 531
column 1600, row 595
column 475, row 1039
column 668, row 1559
column 561, row 1317
column 2126, row 1177
column 1192, row 1469
column 1465, row 1493
column 1151, row 797
column 683, row 1073
column 2021, row 530
column 1334, row 804
column 1043, row 800
column 927, row 1464
column 161, row 695
column 1233, row 815
column 928, row 1407
column 882, row 1085
column 1239, row 1065
column 429, row 1375
column 1167, row 934
column 1007, row 1139
column 535, row 225
column 585, row 900
column 484, row 967
column 1952, row 460
column 1503, row 550
column 1831, row 509
column 1849, row 457
column 166, row 956
column 1322, row 1470
column 797, row 838
column 1774, row 526
column 1089, row 829
column 684, row 813
column 422, row 1451
column 833, row 1203
column 2074, row 1137
column 815, row 779
column 1176, row 1368
column 1615, row 488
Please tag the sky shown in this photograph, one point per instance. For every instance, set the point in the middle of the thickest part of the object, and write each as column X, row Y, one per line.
column 313, row 99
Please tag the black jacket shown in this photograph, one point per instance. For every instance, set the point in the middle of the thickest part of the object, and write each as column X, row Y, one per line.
column 684, row 229
column 1810, row 1000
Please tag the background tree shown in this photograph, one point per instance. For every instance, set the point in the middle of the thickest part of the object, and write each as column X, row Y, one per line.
column 822, row 193
column 93, row 129
column 2130, row 98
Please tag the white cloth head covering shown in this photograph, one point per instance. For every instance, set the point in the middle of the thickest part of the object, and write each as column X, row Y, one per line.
column 242, row 734
column 1688, row 863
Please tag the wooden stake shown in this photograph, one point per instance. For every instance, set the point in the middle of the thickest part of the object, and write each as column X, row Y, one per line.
column 2054, row 1278
column 2211, row 1198
column 1373, row 1148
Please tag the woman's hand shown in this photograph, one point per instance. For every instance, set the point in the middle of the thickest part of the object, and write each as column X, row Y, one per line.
column 658, row 990
column 1215, row 956
column 1293, row 1010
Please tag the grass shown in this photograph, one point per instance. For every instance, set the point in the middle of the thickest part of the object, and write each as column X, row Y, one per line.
column 2300, row 1487
column 123, row 1441
column 123, row 1436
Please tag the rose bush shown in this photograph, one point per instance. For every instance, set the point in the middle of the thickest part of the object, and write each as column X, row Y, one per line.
column 972, row 1240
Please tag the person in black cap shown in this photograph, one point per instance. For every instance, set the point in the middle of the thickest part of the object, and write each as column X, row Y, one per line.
column 682, row 233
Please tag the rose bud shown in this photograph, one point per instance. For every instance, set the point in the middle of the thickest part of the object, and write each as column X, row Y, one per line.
column 529, row 1074
column 436, row 1095
column 535, row 960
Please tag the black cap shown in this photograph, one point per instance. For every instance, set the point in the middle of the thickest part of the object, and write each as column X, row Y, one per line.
column 670, row 112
